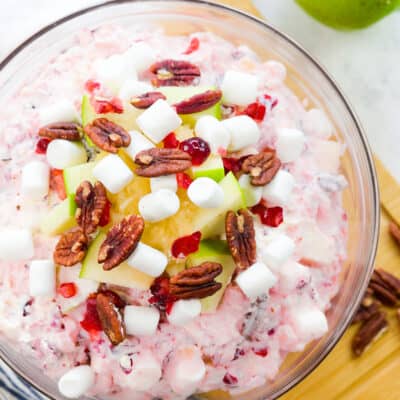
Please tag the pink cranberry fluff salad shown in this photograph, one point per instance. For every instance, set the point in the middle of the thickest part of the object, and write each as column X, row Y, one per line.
column 172, row 217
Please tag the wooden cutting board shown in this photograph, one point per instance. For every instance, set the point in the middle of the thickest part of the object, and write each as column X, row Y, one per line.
column 375, row 375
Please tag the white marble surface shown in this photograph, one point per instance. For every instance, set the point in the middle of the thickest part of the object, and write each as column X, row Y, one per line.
column 365, row 63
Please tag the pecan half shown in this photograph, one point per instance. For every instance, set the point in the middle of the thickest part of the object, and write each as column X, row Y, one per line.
column 199, row 102
column 111, row 318
column 174, row 73
column 368, row 332
column 262, row 167
column 120, row 242
column 368, row 307
column 107, row 135
column 157, row 162
column 61, row 130
column 91, row 201
column 71, row 248
column 145, row 100
column 241, row 238
column 394, row 230
column 196, row 282
column 385, row 287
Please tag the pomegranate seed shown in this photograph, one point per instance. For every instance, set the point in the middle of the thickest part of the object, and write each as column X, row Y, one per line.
column 104, row 106
column 197, row 148
column 193, row 46
column 161, row 297
column 41, row 146
column 261, row 352
column 91, row 322
column 256, row 111
column 230, row 379
column 183, row 180
column 57, row 183
column 67, row 290
column 186, row 245
column 272, row 216
column 170, row 141
column 271, row 332
column 105, row 217
column 91, row 86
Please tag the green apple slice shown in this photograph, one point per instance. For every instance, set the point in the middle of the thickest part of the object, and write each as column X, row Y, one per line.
column 61, row 217
column 74, row 176
column 123, row 275
column 214, row 251
column 212, row 168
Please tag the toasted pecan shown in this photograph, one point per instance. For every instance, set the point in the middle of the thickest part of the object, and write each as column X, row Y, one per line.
column 61, row 130
column 198, row 102
column 145, row 100
column 71, row 248
column 261, row 167
column 174, row 73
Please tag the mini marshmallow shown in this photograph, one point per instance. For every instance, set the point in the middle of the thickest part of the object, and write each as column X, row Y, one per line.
column 148, row 260
column 327, row 154
column 16, row 244
column 256, row 280
column 206, row 193
column 213, row 132
column 293, row 275
column 42, row 278
column 60, row 111
column 184, row 311
column 113, row 173
column 159, row 205
column 290, row 144
column 185, row 370
column 243, row 130
column 62, row 153
column 146, row 371
column 252, row 194
column 76, row 382
column 158, row 121
column 141, row 320
column 132, row 87
column 138, row 143
column 140, row 56
column 278, row 191
column 239, row 88
column 35, row 180
column 278, row 251
column 164, row 182
column 309, row 322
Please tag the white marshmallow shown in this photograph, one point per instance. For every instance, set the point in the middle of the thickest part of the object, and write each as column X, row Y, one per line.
column 243, row 130
column 16, row 244
column 293, row 274
column 327, row 154
column 61, row 111
column 140, row 56
column 138, row 143
column 206, row 193
column 35, row 180
column 158, row 121
column 159, row 205
column 140, row 320
column 113, row 173
column 279, row 190
column 278, row 251
column 132, row 87
column 309, row 322
column 213, row 132
column 42, row 278
column 290, row 144
column 184, row 311
column 146, row 371
column 62, row 153
column 252, row 194
column 164, row 182
column 76, row 382
column 148, row 260
column 256, row 280
column 185, row 370
column 239, row 88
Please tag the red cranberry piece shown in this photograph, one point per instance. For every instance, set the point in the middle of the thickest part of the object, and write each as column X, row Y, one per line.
column 183, row 180
column 271, row 332
column 161, row 297
column 41, row 146
column 91, row 322
column 170, row 141
column 261, row 352
column 104, row 106
column 105, row 217
column 91, row 86
column 231, row 164
column 256, row 111
column 197, row 148
column 230, row 379
column 186, row 245
column 67, row 290
column 272, row 216
column 238, row 353
column 57, row 183
column 193, row 46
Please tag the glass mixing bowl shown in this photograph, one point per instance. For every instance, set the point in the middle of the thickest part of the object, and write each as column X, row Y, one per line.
column 305, row 76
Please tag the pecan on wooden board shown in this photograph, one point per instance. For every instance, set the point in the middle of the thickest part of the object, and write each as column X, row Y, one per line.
column 158, row 162
column 91, row 201
column 120, row 242
column 198, row 102
column 71, row 248
column 385, row 287
column 261, row 167
column 394, row 230
column 174, row 73
column 145, row 100
column 107, row 135
column 196, row 282
column 365, row 311
column 61, row 130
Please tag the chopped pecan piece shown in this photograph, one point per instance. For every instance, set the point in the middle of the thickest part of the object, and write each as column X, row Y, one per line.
column 91, row 202
column 199, row 102
column 262, row 167
column 61, row 130
column 366, row 310
column 241, row 238
column 174, row 73
column 120, row 242
column 157, row 162
column 389, row 280
column 111, row 318
column 385, row 287
column 368, row 332
column 145, row 100
column 71, row 248
column 107, row 135
column 196, row 282
column 394, row 230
